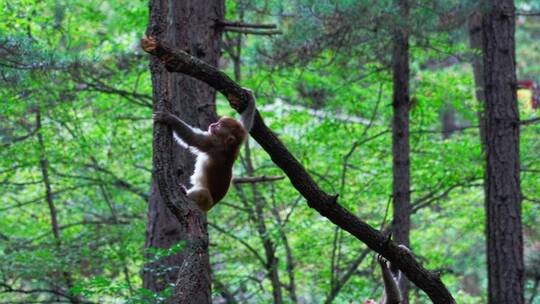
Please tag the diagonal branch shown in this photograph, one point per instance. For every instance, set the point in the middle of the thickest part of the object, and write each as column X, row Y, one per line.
column 181, row 62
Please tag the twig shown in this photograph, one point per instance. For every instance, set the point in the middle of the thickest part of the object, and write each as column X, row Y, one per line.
column 529, row 121
column 525, row 13
column 223, row 23
column 252, row 32
column 256, row 179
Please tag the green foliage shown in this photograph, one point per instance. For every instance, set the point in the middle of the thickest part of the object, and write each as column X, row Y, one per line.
column 77, row 64
column 157, row 254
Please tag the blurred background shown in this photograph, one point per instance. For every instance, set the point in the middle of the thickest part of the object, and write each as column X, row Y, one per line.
column 76, row 150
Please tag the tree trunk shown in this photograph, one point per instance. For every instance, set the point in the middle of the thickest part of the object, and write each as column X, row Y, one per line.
column 448, row 121
column 49, row 198
column 188, row 25
column 401, row 187
column 476, row 43
column 258, row 218
column 474, row 24
column 503, row 199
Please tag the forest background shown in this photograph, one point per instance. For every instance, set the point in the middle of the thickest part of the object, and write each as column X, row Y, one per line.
column 76, row 151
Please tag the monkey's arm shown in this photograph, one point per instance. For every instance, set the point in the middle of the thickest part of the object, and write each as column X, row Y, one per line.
column 249, row 112
column 191, row 136
column 392, row 294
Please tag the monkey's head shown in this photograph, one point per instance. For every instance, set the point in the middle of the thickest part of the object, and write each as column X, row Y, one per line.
column 229, row 130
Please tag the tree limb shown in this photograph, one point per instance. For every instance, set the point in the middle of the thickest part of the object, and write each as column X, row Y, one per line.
column 222, row 23
column 255, row 179
column 181, row 62
column 253, row 32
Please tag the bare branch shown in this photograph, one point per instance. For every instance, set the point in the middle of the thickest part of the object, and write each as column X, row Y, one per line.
column 117, row 182
column 234, row 237
column 223, row 23
column 19, row 138
column 253, row 32
column 256, row 179
column 340, row 282
column 5, row 288
column 526, row 13
column 280, row 103
column 529, row 121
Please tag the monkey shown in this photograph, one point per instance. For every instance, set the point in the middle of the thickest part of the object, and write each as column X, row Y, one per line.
column 216, row 150
column 391, row 276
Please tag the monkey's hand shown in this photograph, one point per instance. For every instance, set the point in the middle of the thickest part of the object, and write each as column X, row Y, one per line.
column 148, row 44
column 235, row 101
column 382, row 261
column 163, row 117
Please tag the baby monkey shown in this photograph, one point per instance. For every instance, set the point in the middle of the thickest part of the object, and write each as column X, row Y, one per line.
column 216, row 150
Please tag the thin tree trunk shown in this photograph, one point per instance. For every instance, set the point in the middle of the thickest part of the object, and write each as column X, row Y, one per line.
column 503, row 199
column 188, row 25
column 400, row 140
column 289, row 255
column 268, row 244
column 340, row 282
column 44, row 164
column 448, row 121
column 476, row 43
column 258, row 214
column 474, row 24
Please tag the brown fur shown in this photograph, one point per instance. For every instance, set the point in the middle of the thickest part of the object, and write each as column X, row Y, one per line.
column 213, row 171
column 216, row 151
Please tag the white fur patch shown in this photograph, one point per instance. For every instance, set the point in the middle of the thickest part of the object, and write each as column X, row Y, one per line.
column 198, row 179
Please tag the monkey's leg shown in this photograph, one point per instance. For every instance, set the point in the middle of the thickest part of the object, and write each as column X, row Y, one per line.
column 202, row 197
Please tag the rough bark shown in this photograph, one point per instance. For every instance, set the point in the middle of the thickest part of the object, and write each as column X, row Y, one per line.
column 178, row 61
column 503, row 199
column 188, row 25
column 401, row 187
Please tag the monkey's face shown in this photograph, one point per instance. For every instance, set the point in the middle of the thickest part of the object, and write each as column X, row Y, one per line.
column 227, row 128
column 219, row 128
column 213, row 127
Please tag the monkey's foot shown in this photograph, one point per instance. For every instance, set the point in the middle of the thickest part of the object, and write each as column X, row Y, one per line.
column 149, row 44
column 183, row 189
